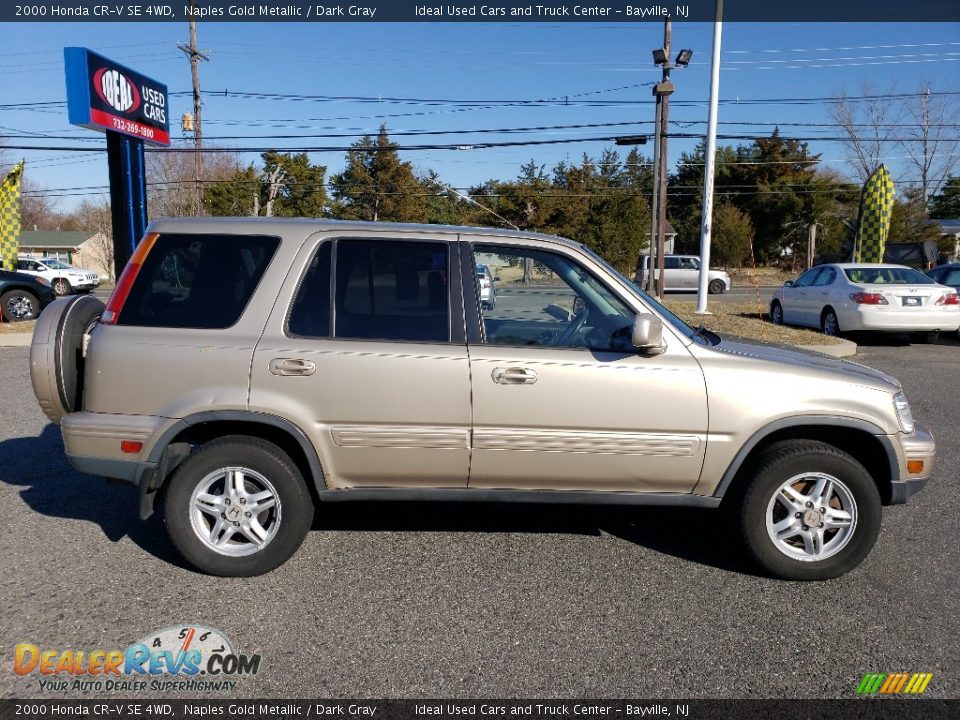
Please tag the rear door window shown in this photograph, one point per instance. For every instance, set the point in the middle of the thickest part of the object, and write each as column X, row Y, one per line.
column 197, row 281
column 392, row 290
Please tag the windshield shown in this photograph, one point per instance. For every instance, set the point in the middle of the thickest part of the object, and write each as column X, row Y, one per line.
column 675, row 321
column 56, row 264
column 887, row 276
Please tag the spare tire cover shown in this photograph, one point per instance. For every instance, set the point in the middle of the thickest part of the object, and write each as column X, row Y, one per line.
column 56, row 353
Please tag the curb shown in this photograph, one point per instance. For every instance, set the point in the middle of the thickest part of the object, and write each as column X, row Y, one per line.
column 15, row 339
column 845, row 348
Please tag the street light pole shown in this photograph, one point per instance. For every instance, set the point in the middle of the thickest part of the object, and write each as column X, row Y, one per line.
column 706, row 221
column 664, row 112
column 662, row 91
column 655, row 209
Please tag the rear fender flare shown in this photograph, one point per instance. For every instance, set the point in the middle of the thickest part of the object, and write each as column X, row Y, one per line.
column 165, row 441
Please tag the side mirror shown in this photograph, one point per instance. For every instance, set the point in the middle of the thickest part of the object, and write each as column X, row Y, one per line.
column 788, row 283
column 648, row 334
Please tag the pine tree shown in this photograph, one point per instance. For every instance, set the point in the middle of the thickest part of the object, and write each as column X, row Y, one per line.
column 376, row 185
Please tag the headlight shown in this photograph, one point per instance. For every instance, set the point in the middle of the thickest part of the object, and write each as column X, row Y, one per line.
column 903, row 412
column 43, row 281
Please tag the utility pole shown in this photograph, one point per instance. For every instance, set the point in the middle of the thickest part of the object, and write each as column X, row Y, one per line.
column 196, row 56
column 662, row 91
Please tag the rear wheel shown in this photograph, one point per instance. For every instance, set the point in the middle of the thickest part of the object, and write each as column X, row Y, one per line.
column 809, row 511
column 829, row 323
column 61, row 286
column 238, row 507
column 929, row 338
column 716, row 287
column 19, row 305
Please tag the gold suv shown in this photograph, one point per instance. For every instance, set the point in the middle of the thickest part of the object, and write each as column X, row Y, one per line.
column 245, row 370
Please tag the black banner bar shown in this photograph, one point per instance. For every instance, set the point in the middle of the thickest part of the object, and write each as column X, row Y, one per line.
column 513, row 11
column 483, row 709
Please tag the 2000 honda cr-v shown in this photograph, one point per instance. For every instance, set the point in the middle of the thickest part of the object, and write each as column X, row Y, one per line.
column 244, row 370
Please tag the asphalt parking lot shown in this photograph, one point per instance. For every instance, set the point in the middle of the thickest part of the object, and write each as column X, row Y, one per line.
column 485, row 601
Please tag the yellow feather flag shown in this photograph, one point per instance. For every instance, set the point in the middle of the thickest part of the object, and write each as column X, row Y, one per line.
column 10, row 218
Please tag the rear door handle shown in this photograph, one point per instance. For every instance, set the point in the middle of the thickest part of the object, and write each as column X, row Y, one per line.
column 514, row 376
column 292, row 366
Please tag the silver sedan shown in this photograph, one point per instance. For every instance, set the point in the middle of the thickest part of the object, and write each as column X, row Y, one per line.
column 846, row 297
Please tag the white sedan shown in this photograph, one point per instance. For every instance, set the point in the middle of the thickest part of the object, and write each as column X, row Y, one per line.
column 845, row 297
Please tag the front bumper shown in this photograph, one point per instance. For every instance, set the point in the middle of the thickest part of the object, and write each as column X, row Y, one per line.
column 916, row 447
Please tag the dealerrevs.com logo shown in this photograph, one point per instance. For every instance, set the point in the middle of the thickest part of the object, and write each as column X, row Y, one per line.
column 182, row 657
column 894, row 683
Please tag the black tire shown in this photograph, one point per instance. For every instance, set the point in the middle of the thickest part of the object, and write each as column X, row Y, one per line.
column 252, row 454
column 61, row 287
column 19, row 306
column 829, row 324
column 776, row 313
column 784, row 461
column 717, row 287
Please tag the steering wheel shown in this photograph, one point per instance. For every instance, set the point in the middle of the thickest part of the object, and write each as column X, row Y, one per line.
column 576, row 324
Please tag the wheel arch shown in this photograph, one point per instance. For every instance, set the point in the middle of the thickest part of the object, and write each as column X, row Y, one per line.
column 862, row 440
column 169, row 450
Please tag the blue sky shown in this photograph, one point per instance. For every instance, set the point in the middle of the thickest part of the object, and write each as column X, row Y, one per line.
column 465, row 61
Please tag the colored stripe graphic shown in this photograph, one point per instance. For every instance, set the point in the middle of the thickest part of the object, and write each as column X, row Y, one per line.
column 894, row 683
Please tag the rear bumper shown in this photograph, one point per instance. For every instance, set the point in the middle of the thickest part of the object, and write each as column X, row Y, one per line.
column 92, row 443
column 896, row 320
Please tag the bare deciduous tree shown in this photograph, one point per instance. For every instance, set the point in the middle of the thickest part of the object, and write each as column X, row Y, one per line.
column 932, row 151
column 38, row 209
column 868, row 126
column 171, row 181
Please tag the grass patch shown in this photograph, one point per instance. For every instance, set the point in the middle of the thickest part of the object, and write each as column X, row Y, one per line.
column 747, row 320
column 18, row 327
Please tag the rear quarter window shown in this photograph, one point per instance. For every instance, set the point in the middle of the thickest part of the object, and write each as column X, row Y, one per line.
column 197, row 281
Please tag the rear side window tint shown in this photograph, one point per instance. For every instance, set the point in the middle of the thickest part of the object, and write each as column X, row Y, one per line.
column 392, row 290
column 310, row 316
column 197, row 281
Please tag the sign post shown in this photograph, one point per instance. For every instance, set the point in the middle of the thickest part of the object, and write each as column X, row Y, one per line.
column 132, row 110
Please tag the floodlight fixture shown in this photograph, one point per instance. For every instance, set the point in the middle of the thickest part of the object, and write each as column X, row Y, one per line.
column 683, row 57
column 660, row 56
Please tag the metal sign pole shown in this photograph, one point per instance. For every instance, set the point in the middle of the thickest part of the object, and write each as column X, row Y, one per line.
column 128, row 195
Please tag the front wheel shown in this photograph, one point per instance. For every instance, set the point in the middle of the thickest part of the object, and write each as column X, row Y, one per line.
column 809, row 511
column 776, row 313
column 717, row 287
column 19, row 305
column 61, row 287
column 238, row 507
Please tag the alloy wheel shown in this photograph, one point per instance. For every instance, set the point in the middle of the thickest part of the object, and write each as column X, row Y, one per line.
column 811, row 517
column 235, row 511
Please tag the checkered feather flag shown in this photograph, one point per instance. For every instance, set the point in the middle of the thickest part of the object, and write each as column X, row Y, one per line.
column 876, row 206
column 10, row 218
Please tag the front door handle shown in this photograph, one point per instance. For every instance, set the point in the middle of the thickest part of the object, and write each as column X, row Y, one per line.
column 292, row 366
column 514, row 376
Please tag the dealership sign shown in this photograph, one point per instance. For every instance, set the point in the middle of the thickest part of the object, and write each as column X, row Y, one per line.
column 102, row 95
